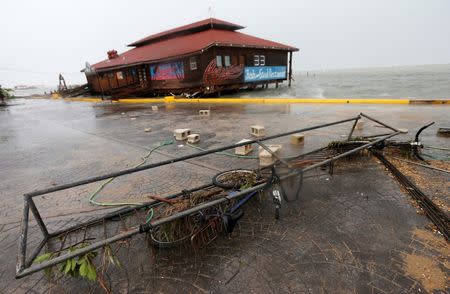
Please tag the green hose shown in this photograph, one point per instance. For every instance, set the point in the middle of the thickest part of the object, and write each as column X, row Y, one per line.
column 108, row 181
column 437, row 148
column 436, row 157
column 149, row 216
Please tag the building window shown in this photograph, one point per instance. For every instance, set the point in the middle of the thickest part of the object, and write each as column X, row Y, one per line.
column 119, row 75
column 227, row 60
column 256, row 60
column 262, row 60
column 193, row 63
column 219, row 60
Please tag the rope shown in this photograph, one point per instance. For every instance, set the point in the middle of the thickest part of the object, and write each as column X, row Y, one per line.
column 108, row 181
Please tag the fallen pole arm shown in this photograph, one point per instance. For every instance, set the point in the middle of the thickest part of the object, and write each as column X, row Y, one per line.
column 143, row 228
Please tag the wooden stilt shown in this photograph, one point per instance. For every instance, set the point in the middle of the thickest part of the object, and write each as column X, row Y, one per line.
column 290, row 68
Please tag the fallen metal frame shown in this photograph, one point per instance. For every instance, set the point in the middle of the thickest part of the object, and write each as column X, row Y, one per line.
column 26, row 267
column 432, row 211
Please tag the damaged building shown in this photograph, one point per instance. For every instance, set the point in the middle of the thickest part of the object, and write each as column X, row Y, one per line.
column 202, row 58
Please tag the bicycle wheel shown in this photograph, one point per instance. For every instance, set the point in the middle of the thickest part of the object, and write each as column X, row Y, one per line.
column 234, row 179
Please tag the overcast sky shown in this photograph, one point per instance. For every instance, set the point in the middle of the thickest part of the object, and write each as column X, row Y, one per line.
column 41, row 38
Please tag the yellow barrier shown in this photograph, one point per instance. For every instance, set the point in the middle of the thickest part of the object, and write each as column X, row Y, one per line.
column 261, row 100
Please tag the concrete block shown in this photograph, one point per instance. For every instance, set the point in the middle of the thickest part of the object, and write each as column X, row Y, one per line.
column 245, row 149
column 297, row 139
column 147, row 130
column 258, row 131
column 265, row 157
column 204, row 112
column 181, row 134
column 154, row 107
column 193, row 138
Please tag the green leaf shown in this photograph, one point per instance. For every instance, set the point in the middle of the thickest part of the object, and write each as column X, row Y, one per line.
column 92, row 273
column 68, row 266
column 81, row 259
column 43, row 257
column 83, row 269
column 73, row 264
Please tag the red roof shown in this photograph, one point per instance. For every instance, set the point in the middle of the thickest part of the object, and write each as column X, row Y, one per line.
column 187, row 44
column 190, row 28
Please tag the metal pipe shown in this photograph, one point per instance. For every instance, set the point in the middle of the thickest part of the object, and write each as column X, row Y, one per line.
column 36, row 252
column 349, row 152
column 38, row 217
column 23, row 236
column 374, row 136
column 422, row 165
column 379, row 122
column 353, row 128
column 170, row 161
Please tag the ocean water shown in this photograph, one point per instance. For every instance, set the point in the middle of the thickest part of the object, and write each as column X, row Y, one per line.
column 414, row 82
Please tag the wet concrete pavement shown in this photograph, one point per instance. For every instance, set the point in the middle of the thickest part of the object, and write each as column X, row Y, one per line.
column 351, row 232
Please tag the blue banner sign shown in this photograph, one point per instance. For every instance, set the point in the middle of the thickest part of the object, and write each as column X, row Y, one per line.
column 264, row 73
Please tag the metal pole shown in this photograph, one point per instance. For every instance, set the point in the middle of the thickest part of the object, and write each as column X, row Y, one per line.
column 23, row 236
column 353, row 128
column 290, row 67
column 422, row 165
column 379, row 122
column 170, row 161
column 36, row 252
column 349, row 152
column 38, row 217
